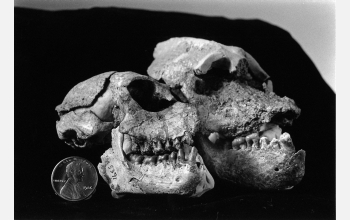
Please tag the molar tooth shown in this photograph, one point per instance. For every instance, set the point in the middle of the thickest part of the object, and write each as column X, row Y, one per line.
column 274, row 144
column 255, row 144
column 249, row 139
column 181, row 155
column 193, row 154
column 263, row 142
column 237, row 142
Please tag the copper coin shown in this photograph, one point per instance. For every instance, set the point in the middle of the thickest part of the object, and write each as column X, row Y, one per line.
column 74, row 179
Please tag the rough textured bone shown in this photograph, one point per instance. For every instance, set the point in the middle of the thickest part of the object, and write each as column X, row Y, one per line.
column 181, row 178
column 147, row 115
column 224, row 83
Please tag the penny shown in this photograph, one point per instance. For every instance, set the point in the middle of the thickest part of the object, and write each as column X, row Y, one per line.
column 74, row 179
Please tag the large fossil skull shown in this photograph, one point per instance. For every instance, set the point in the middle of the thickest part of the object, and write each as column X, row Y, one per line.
column 239, row 136
column 152, row 145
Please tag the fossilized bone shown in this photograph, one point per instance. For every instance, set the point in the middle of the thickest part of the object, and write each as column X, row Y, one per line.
column 152, row 147
column 239, row 138
column 216, row 99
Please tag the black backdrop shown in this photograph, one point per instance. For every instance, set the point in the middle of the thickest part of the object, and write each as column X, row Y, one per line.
column 56, row 50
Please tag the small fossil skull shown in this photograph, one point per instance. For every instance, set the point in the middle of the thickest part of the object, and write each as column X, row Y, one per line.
column 239, row 134
column 151, row 132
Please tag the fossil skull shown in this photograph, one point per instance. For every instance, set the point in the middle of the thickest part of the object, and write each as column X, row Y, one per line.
column 239, row 134
column 151, row 133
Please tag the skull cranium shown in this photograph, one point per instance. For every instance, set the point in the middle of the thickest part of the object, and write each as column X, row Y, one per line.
column 214, row 99
column 240, row 136
column 152, row 147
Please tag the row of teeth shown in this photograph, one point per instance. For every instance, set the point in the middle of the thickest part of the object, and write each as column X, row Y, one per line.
column 132, row 146
column 180, row 156
column 268, row 132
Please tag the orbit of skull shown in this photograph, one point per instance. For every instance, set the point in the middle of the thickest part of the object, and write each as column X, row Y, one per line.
column 205, row 110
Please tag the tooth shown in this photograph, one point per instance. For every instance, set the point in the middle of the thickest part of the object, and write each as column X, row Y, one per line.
column 213, row 137
column 270, row 131
column 249, row 139
column 243, row 146
column 173, row 156
column 263, row 143
column 162, row 158
column 168, row 146
column 132, row 157
column 127, row 145
column 237, row 142
column 181, row 155
column 193, row 154
column 147, row 149
column 177, row 144
column 286, row 142
column 150, row 160
column 139, row 159
column 158, row 148
column 274, row 144
column 255, row 144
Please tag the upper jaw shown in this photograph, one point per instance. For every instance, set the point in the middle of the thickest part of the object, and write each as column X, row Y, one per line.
column 181, row 173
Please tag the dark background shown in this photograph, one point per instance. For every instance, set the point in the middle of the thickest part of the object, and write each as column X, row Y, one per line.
column 56, row 50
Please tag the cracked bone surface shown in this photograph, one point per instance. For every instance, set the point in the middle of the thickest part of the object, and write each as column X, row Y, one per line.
column 151, row 133
column 239, row 133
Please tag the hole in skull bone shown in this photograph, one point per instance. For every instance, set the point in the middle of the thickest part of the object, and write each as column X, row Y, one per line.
column 143, row 92
column 212, row 81
column 179, row 96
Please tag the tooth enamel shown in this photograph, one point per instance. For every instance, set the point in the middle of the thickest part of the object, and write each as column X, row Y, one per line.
column 213, row 137
column 193, row 154
column 127, row 145
column 181, row 155
column 173, row 156
column 263, row 142
column 177, row 144
column 270, row 131
column 158, row 148
column 237, row 142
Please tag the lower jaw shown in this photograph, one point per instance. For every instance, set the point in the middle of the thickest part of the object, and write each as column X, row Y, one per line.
column 274, row 166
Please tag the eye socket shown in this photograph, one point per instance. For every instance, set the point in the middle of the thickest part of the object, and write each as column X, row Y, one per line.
column 213, row 80
column 144, row 93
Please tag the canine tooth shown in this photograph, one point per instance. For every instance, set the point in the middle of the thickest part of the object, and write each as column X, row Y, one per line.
column 237, row 142
column 127, row 144
column 193, row 154
column 181, row 155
